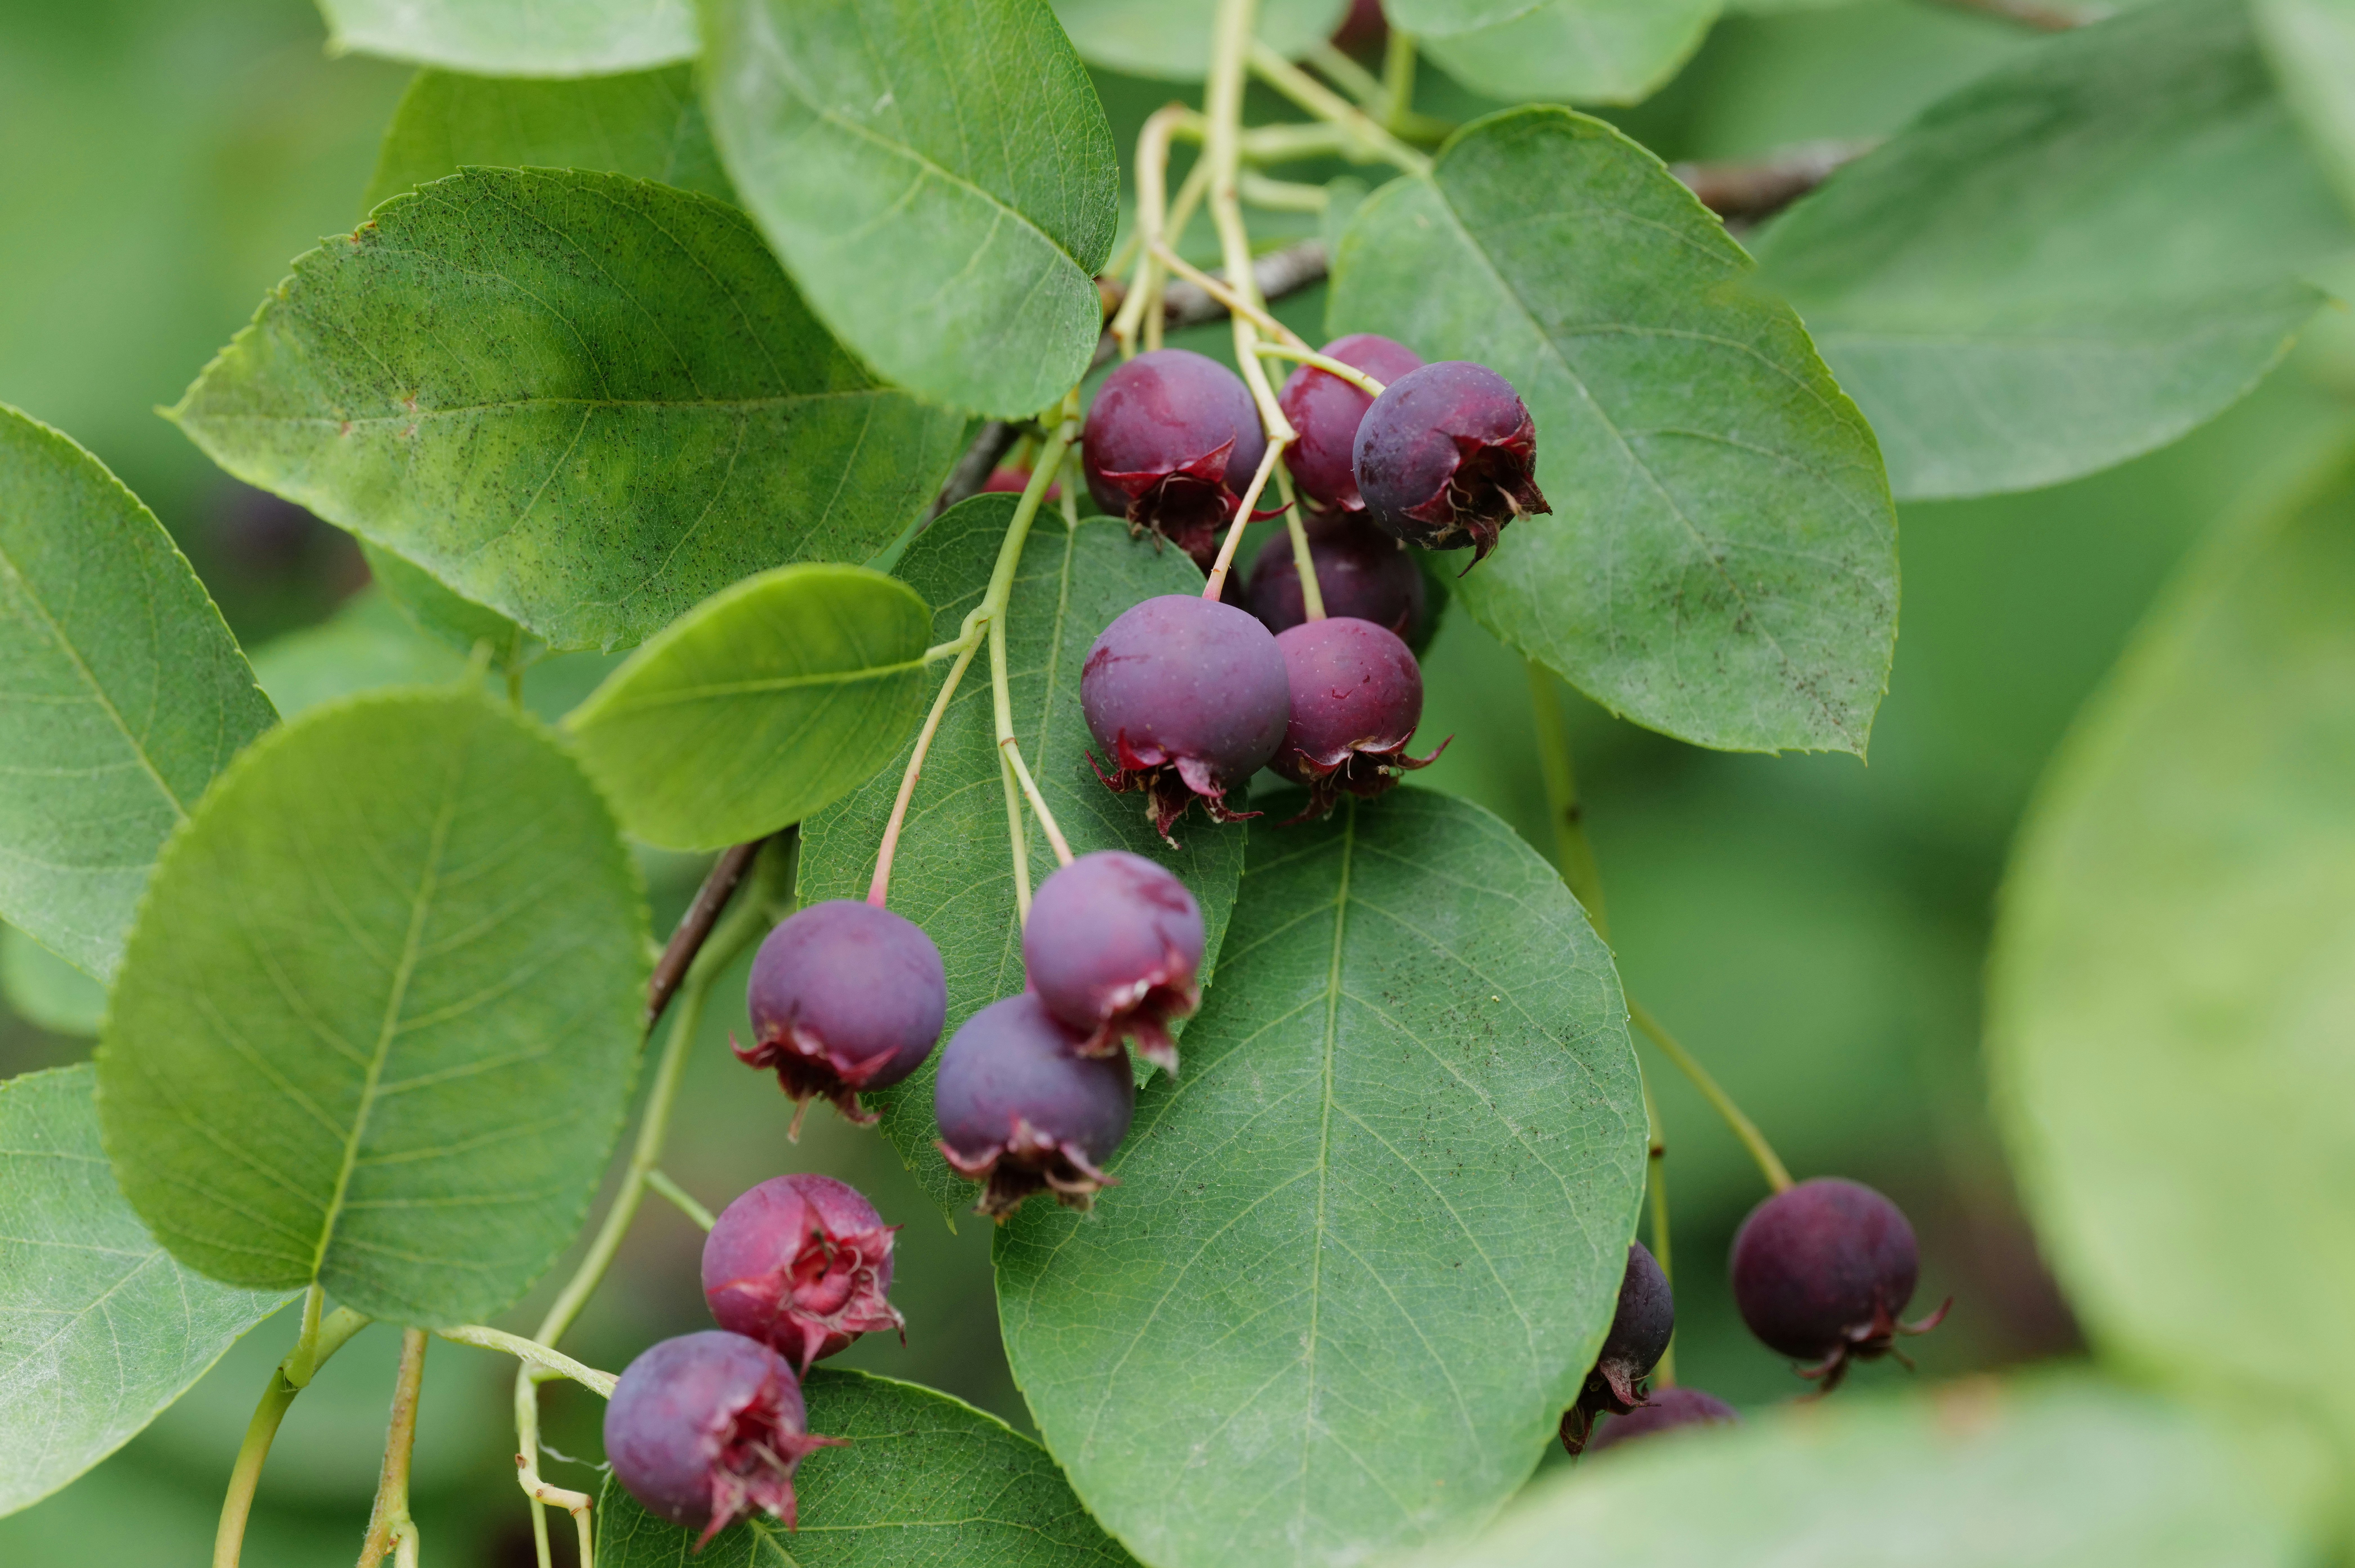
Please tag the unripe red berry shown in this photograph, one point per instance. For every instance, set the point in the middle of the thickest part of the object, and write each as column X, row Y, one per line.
column 1363, row 573
column 1447, row 456
column 1641, row 1326
column 1667, row 1410
column 802, row 1264
column 1172, row 441
column 1356, row 695
column 1326, row 410
column 1114, row 948
column 1187, row 698
column 844, row 997
column 1022, row 1111
column 705, row 1428
column 1821, row 1271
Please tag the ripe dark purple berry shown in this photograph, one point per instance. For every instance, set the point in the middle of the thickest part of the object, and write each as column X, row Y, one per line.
column 1356, row 695
column 802, row 1264
column 1363, row 573
column 1667, row 1410
column 1327, row 411
column 705, row 1428
column 1021, row 1110
column 844, row 997
column 1821, row 1270
column 1172, row 441
column 1640, row 1330
column 1447, row 456
column 1114, row 948
column 1189, row 698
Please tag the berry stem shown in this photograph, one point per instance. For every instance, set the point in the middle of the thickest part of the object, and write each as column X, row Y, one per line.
column 550, row 1362
column 1218, row 582
column 1243, row 308
column 1351, row 78
column 1325, row 363
column 1329, row 106
column 1398, row 89
column 882, row 885
column 1304, row 560
column 389, row 1526
column 1656, row 1172
column 1280, row 196
column 1772, row 1168
column 681, row 1199
column 1054, row 832
column 1143, row 304
column 321, row 1338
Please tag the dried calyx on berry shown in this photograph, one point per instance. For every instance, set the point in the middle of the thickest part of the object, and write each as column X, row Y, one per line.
column 1665, row 1411
column 1821, row 1271
column 706, row 1428
column 1362, row 572
column 1187, row 698
column 1021, row 1110
column 802, row 1264
column 1356, row 695
column 1171, row 443
column 1640, row 1330
column 1327, row 411
column 1113, row 949
column 844, row 997
column 1447, row 456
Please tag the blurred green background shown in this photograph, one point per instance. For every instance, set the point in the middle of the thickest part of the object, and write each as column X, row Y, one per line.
column 1812, row 926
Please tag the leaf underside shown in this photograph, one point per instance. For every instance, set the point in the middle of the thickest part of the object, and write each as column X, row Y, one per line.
column 1575, row 51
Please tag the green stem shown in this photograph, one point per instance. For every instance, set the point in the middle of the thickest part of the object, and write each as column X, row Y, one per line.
column 1304, row 560
column 1353, row 79
column 1655, row 1184
column 681, row 1199
column 547, row 1358
column 1325, row 363
column 321, row 1338
column 1771, row 1166
column 1282, row 196
column 1398, row 79
column 1573, row 851
column 1330, row 106
column 389, row 1525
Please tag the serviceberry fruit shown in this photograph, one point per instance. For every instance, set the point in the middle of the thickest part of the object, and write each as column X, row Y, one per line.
column 844, row 997
column 1640, row 1330
column 1820, row 1272
column 1447, row 456
column 1668, row 1409
column 1356, row 695
column 1015, row 481
column 1172, row 441
column 1327, row 411
column 1114, row 948
column 705, row 1428
column 802, row 1264
column 1022, row 1111
column 1187, row 697
column 1363, row 573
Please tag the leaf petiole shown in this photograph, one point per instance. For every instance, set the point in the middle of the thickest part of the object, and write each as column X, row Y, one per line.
column 321, row 1338
column 390, row 1528
column 1324, row 361
column 542, row 1361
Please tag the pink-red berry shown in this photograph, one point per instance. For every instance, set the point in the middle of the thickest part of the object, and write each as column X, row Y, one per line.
column 1363, row 573
column 1114, row 948
column 802, row 1264
column 1356, row 695
column 1821, row 1272
column 844, row 997
column 1447, row 456
column 1171, row 443
column 1023, row 1111
column 1326, row 410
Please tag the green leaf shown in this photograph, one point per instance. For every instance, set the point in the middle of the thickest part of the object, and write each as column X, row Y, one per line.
column 587, row 401
column 44, row 990
column 925, row 1479
column 937, row 175
column 367, row 644
column 1363, row 1253
column 2311, row 44
column 125, row 694
column 1427, row 20
column 99, row 1328
column 376, row 1023
column 1721, row 559
column 1170, row 39
column 1577, row 51
column 2051, row 1472
column 760, row 706
column 2172, row 993
column 953, row 872
column 646, row 124
column 429, row 605
column 2014, row 287
column 517, row 37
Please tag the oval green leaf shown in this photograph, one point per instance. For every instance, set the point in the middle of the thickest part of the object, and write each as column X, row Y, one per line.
column 937, row 175
column 517, row 37
column 2011, row 288
column 448, row 618
column 1575, row 51
column 1721, row 560
column 367, row 644
column 44, row 990
column 125, row 694
column 378, row 1021
column 760, row 707
column 2172, row 993
column 99, row 1329
column 953, row 872
column 2311, row 44
column 925, row 1479
column 1362, row 1254
column 587, row 401
column 1169, row 40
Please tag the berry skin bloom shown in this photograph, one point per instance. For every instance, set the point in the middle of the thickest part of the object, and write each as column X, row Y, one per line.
column 1114, row 948
column 1667, row 1410
column 705, row 1428
column 1171, row 443
column 844, row 997
column 1356, row 695
column 1821, row 1273
column 1022, row 1111
column 1447, row 456
column 1187, row 697
column 1365, row 575
column 802, row 1264
column 1327, row 411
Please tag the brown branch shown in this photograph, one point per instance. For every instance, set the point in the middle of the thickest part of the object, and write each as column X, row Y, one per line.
column 719, row 884
column 1747, row 190
column 989, row 447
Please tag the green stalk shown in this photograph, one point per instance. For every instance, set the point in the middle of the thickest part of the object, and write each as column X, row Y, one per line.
column 321, row 1338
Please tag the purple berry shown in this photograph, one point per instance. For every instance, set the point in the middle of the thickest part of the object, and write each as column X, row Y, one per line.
column 1356, row 695
column 1668, row 1409
column 1447, row 456
column 706, row 1427
column 802, row 1264
column 1172, row 441
column 1821, row 1271
column 1363, row 573
column 1114, row 948
column 1327, row 411
column 1640, row 1330
column 1021, row 1110
column 1189, row 698
column 844, row 997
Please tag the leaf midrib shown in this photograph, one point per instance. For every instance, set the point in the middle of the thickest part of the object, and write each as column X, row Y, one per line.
column 1325, row 1152
column 721, row 690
